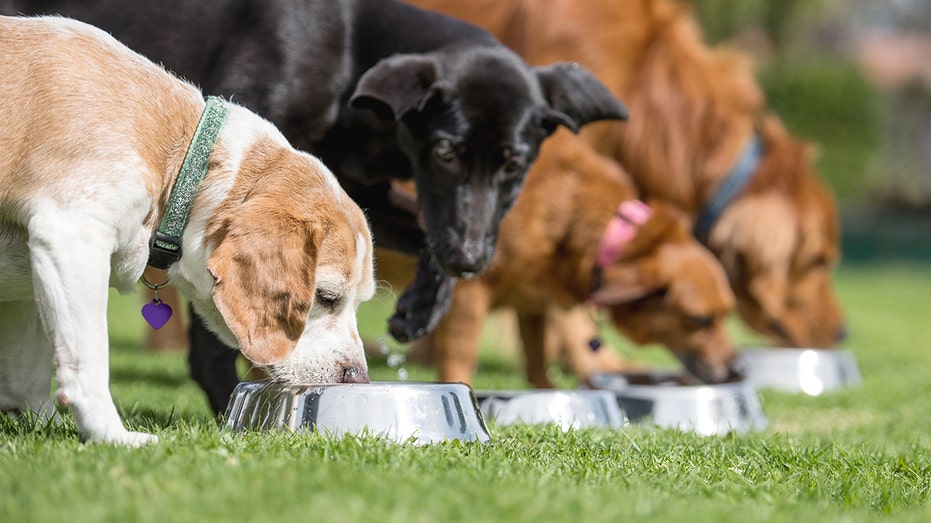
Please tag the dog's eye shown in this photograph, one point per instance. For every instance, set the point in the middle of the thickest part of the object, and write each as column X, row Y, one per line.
column 326, row 298
column 699, row 321
column 779, row 329
column 818, row 263
column 513, row 166
column 444, row 151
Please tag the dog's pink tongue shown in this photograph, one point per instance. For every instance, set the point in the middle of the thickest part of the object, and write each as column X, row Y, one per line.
column 156, row 313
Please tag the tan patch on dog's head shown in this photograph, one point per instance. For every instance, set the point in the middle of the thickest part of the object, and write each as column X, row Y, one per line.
column 282, row 226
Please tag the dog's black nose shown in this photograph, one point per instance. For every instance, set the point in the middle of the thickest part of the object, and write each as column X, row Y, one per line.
column 467, row 260
column 712, row 372
column 462, row 267
column 737, row 371
column 355, row 375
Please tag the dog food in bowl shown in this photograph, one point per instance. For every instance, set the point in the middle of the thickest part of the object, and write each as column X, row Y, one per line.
column 567, row 408
column 420, row 413
column 809, row 371
column 673, row 400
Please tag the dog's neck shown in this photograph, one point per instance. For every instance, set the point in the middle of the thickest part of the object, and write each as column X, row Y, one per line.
column 165, row 246
column 621, row 229
column 729, row 188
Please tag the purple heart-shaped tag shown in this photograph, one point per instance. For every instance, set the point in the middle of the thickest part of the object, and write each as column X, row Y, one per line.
column 156, row 313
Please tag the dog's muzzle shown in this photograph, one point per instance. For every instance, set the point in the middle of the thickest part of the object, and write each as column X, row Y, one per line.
column 470, row 259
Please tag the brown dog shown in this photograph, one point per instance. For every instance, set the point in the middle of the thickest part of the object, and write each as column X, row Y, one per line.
column 570, row 336
column 659, row 285
column 693, row 112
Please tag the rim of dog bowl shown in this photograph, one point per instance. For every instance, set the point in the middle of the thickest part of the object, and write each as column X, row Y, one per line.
column 706, row 409
column 267, row 406
column 566, row 408
column 806, row 370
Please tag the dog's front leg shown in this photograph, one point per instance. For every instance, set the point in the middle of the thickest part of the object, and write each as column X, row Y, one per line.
column 71, row 289
column 423, row 303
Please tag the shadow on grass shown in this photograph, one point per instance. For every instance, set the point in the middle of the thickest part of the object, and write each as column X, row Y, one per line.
column 154, row 376
column 28, row 425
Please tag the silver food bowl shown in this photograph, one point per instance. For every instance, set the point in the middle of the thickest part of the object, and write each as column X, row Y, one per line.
column 672, row 400
column 811, row 371
column 569, row 409
column 420, row 413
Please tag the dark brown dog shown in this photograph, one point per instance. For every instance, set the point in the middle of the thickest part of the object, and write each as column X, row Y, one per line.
column 662, row 286
column 694, row 111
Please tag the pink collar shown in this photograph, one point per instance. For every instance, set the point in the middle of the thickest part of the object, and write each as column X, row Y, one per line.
column 630, row 215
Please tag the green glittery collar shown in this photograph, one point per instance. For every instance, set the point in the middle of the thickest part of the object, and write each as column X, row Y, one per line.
column 165, row 245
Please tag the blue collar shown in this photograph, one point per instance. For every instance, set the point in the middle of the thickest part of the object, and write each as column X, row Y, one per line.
column 729, row 188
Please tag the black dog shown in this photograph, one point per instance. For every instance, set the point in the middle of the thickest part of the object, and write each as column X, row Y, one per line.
column 380, row 90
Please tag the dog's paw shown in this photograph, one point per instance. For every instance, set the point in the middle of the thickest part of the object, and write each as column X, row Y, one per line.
column 130, row 439
column 406, row 328
column 417, row 313
column 423, row 303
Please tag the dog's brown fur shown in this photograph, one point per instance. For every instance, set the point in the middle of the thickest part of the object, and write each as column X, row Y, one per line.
column 692, row 109
column 567, row 338
column 665, row 288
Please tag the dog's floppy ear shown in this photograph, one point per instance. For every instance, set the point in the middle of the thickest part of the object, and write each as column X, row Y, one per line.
column 624, row 283
column 264, row 284
column 576, row 96
column 396, row 85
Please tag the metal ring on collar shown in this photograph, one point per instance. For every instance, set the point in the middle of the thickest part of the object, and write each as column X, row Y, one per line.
column 154, row 286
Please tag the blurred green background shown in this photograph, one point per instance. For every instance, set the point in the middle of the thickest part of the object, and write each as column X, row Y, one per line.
column 854, row 78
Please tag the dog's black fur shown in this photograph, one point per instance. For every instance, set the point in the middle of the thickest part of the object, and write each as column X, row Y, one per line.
column 381, row 91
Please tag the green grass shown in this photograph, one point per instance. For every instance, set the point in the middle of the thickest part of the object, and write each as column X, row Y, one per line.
column 861, row 454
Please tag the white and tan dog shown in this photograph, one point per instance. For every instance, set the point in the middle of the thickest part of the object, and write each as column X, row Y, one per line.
column 276, row 257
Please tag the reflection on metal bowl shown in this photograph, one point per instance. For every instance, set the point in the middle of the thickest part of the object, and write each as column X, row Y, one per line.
column 811, row 371
column 569, row 409
column 670, row 400
column 419, row 413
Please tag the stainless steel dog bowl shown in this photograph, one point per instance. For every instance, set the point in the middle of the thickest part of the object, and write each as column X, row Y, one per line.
column 420, row 413
column 810, row 371
column 566, row 408
column 671, row 400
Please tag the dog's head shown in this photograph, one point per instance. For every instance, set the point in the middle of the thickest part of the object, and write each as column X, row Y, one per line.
column 290, row 257
column 780, row 245
column 471, row 120
column 667, row 288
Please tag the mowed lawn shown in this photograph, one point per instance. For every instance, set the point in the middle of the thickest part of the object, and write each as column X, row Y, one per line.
column 856, row 455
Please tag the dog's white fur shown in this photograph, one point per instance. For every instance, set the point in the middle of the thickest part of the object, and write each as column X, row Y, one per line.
column 91, row 141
